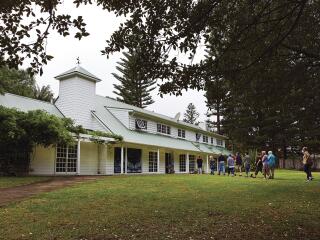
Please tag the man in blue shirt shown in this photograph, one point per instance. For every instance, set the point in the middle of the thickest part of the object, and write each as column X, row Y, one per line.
column 271, row 163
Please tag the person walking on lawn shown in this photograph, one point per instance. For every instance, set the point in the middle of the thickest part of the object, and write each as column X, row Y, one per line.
column 247, row 163
column 221, row 160
column 230, row 161
column 259, row 166
column 239, row 163
column 199, row 164
column 307, row 163
column 271, row 163
column 265, row 168
column 212, row 164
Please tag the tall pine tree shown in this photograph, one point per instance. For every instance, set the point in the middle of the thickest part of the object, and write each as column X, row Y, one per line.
column 191, row 115
column 216, row 93
column 134, row 87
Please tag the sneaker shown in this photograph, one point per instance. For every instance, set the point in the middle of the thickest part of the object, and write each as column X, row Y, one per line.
column 307, row 180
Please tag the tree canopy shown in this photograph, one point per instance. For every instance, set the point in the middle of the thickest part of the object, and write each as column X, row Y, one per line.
column 134, row 87
column 266, row 54
column 20, row 82
column 191, row 115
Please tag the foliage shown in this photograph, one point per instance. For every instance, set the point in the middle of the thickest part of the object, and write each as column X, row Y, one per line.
column 25, row 27
column 20, row 82
column 134, row 87
column 163, row 27
column 16, row 81
column 216, row 93
column 283, row 208
column 191, row 115
column 44, row 93
column 32, row 128
column 96, row 134
column 266, row 53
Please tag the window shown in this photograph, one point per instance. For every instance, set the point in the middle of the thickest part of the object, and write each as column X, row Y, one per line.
column 161, row 128
column 141, row 124
column 211, row 140
column 192, row 163
column 181, row 133
column 153, row 161
column 66, row 159
column 205, row 138
column 182, row 162
column 198, row 136
column 219, row 142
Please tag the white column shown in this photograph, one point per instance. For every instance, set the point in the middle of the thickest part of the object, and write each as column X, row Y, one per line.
column 106, row 166
column 78, row 157
column 187, row 163
column 122, row 160
column 207, row 164
column 126, row 161
column 158, row 160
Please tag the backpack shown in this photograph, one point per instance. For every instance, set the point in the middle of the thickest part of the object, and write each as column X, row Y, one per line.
column 310, row 160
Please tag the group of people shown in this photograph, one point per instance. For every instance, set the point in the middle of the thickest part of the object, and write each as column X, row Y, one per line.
column 265, row 163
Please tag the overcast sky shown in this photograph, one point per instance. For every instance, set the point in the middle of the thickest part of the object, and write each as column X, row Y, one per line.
column 100, row 25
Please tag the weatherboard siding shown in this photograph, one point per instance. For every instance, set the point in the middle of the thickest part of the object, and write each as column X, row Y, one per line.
column 43, row 161
column 76, row 101
column 88, row 158
column 152, row 128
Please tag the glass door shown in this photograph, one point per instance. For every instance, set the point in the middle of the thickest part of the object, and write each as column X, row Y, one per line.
column 66, row 159
column 169, row 163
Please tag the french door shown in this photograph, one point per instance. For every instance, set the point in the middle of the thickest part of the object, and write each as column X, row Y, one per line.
column 169, row 162
column 66, row 159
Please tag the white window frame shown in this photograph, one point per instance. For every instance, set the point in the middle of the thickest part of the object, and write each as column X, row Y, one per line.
column 163, row 129
column 205, row 139
column 66, row 159
column 220, row 142
column 181, row 133
column 192, row 163
column 182, row 163
column 153, row 161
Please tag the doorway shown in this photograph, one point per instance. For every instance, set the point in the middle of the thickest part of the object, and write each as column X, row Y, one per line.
column 169, row 162
column 133, row 156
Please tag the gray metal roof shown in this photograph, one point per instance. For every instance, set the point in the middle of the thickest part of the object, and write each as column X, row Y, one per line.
column 27, row 104
column 78, row 71
column 141, row 137
column 113, row 103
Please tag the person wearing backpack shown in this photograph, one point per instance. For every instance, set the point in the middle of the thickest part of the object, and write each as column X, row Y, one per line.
column 271, row 164
column 307, row 163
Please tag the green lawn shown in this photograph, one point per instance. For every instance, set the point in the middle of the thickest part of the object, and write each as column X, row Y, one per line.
column 6, row 182
column 171, row 207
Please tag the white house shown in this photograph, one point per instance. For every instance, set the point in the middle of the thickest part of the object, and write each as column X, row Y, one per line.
column 152, row 142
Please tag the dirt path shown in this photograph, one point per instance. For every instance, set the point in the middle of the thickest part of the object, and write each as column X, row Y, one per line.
column 8, row 195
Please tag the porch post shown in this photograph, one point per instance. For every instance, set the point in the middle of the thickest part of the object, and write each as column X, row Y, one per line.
column 126, row 161
column 122, row 160
column 78, row 157
column 187, row 164
column 106, row 166
column 158, row 160
column 207, row 164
